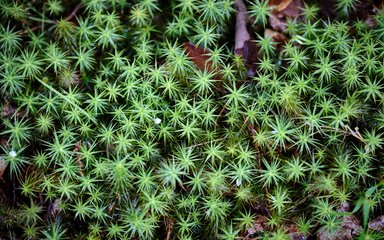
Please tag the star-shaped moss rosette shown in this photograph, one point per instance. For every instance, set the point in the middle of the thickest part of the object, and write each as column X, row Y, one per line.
column 152, row 120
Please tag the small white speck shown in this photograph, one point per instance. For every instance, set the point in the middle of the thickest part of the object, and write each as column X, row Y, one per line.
column 274, row 131
column 238, row 182
column 157, row 121
column 12, row 154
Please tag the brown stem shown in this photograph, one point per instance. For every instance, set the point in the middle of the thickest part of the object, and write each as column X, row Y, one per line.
column 29, row 29
column 74, row 11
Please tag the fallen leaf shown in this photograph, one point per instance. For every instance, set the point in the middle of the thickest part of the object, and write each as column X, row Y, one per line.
column 53, row 208
column 294, row 233
column 261, row 208
column 370, row 21
column 242, row 18
column 277, row 37
column 259, row 225
column 349, row 228
column 244, row 46
column 289, row 8
column 344, row 207
column 3, row 166
column 377, row 224
column 280, row 4
column 8, row 111
column 278, row 24
column 250, row 54
column 199, row 56
column 294, row 9
column 284, row 9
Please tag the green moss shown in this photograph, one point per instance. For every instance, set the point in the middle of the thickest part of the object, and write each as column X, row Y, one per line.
column 117, row 133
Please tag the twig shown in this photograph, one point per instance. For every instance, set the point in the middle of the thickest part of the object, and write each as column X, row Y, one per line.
column 74, row 11
column 220, row 113
column 182, row 187
column 79, row 162
column 70, row 16
column 347, row 132
column 355, row 133
column 29, row 30
column 249, row 125
column 169, row 227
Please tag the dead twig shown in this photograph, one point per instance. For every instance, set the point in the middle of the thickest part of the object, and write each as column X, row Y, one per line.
column 355, row 133
column 79, row 161
column 29, row 30
column 74, row 12
column 169, row 226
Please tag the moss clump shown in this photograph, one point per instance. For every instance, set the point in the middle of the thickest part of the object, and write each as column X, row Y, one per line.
column 110, row 130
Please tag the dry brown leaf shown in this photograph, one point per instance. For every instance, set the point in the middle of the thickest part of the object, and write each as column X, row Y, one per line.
column 276, row 37
column 3, row 166
column 244, row 46
column 283, row 5
column 242, row 18
column 249, row 52
column 284, row 9
column 259, row 225
column 294, row 233
column 349, row 228
column 289, row 8
column 54, row 208
column 293, row 10
column 8, row 111
column 344, row 207
column 278, row 24
column 199, row 56
column 377, row 224
column 280, row 4
column 370, row 21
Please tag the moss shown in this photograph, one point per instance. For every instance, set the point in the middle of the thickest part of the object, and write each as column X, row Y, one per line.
column 122, row 130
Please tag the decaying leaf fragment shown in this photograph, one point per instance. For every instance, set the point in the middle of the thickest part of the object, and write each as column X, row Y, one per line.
column 349, row 228
column 79, row 161
column 242, row 18
column 244, row 46
column 200, row 57
column 276, row 37
column 280, row 4
column 259, row 225
column 284, row 9
column 53, row 208
column 377, row 224
column 293, row 231
column 3, row 166
column 287, row 8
